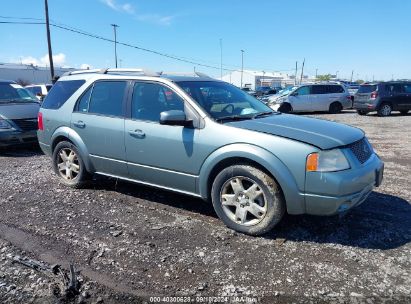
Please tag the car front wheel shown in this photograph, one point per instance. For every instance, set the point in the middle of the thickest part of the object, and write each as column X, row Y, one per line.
column 335, row 108
column 247, row 199
column 69, row 165
column 361, row 112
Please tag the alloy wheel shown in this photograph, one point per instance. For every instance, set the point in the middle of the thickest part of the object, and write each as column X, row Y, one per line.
column 68, row 164
column 243, row 201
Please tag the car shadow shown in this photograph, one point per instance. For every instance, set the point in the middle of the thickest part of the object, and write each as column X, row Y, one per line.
column 27, row 150
column 382, row 222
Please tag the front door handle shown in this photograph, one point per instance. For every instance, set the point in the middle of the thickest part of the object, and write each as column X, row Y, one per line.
column 137, row 133
column 79, row 124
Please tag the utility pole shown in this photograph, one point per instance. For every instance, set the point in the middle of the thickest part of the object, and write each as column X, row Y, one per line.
column 242, row 67
column 352, row 74
column 302, row 72
column 46, row 6
column 316, row 73
column 221, row 58
column 295, row 75
column 336, row 75
column 115, row 26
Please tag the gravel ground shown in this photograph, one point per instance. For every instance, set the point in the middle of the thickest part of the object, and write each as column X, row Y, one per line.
column 129, row 242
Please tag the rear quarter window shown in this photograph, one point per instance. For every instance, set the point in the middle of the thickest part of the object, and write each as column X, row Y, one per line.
column 60, row 93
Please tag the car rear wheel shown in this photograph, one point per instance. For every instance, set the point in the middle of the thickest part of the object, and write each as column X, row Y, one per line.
column 247, row 199
column 285, row 108
column 384, row 110
column 335, row 108
column 361, row 112
column 403, row 112
column 69, row 165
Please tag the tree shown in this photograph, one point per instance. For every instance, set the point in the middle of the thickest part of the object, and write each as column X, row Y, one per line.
column 359, row 81
column 326, row 77
column 22, row 82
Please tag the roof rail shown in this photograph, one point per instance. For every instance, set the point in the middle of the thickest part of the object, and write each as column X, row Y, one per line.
column 189, row 74
column 116, row 71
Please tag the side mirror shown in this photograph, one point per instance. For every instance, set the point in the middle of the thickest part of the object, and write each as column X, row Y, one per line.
column 175, row 118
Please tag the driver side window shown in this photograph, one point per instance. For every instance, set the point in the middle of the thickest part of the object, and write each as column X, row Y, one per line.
column 303, row 90
column 150, row 99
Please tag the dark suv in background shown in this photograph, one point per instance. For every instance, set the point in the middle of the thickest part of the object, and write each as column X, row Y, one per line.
column 383, row 97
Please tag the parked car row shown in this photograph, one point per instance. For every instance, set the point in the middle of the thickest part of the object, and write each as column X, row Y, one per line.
column 18, row 114
column 39, row 90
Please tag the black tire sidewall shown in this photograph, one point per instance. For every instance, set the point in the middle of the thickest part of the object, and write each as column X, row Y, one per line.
column 273, row 196
column 285, row 108
column 83, row 174
column 335, row 107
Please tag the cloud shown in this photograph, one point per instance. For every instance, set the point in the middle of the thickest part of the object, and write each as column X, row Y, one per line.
column 121, row 7
column 58, row 60
column 130, row 9
column 156, row 19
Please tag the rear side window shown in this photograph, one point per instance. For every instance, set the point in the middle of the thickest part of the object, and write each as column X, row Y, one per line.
column 34, row 90
column 60, row 93
column 107, row 98
column 335, row 89
column 393, row 88
column 318, row 89
column 367, row 88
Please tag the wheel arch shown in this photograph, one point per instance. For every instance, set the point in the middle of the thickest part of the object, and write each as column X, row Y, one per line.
column 68, row 134
column 261, row 159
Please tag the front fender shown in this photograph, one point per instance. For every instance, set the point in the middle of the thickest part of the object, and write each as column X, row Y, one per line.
column 75, row 138
column 294, row 199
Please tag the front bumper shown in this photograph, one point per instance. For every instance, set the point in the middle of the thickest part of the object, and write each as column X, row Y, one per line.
column 334, row 192
column 14, row 137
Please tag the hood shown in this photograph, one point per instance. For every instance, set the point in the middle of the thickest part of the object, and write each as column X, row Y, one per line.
column 20, row 110
column 323, row 134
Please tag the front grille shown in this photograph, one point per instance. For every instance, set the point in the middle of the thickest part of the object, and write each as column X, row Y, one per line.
column 26, row 124
column 361, row 149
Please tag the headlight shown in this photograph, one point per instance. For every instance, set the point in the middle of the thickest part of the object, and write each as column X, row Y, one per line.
column 327, row 161
column 4, row 124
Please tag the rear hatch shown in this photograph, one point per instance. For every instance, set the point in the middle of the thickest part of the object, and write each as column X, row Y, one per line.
column 363, row 94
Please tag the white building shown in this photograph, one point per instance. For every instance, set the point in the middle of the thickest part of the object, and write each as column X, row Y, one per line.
column 29, row 73
column 253, row 79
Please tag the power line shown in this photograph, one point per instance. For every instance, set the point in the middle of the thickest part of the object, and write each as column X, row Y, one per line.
column 95, row 36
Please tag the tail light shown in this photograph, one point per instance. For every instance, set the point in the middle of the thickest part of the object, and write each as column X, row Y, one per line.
column 40, row 121
column 374, row 95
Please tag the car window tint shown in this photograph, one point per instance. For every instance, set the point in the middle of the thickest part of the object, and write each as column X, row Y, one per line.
column 332, row 89
column 150, row 99
column 48, row 87
column 83, row 102
column 393, row 88
column 303, row 90
column 34, row 90
column 60, row 93
column 318, row 89
column 407, row 88
column 367, row 88
column 107, row 98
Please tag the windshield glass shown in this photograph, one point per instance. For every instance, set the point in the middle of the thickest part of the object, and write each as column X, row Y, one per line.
column 15, row 92
column 221, row 99
column 367, row 89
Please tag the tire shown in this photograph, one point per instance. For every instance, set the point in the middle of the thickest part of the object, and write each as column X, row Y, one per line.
column 335, row 108
column 384, row 110
column 247, row 200
column 404, row 112
column 69, row 168
column 285, row 108
column 361, row 112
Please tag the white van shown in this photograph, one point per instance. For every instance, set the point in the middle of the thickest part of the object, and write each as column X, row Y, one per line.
column 331, row 97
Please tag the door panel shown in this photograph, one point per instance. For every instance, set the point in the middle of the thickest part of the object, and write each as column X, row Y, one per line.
column 161, row 154
column 104, row 139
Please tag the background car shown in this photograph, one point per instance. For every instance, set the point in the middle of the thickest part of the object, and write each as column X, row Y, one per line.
column 39, row 90
column 331, row 97
column 383, row 97
column 249, row 91
column 265, row 91
column 18, row 114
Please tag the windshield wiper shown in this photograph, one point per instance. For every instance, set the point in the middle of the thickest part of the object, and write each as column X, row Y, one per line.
column 233, row 118
column 262, row 114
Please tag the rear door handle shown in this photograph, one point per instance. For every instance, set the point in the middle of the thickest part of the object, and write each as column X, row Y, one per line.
column 137, row 133
column 79, row 124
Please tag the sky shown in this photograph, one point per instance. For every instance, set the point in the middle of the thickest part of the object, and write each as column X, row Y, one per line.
column 369, row 37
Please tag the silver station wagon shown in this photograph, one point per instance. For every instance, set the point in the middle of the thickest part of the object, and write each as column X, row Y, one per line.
column 205, row 138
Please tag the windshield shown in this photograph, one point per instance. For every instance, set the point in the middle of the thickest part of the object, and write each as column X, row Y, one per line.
column 14, row 92
column 367, row 88
column 223, row 100
column 286, row 91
